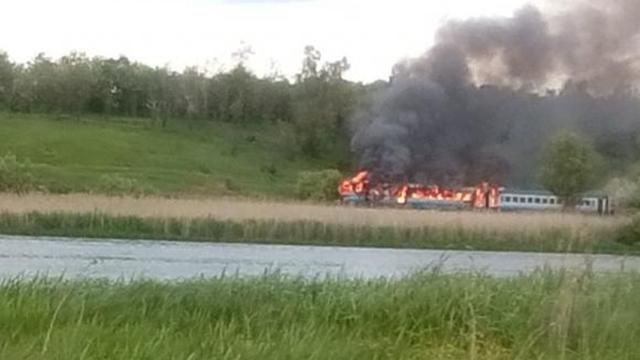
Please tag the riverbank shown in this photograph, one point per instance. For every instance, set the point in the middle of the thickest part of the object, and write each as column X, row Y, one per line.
column 307, row 232
column 547, row 315
column 269, row 222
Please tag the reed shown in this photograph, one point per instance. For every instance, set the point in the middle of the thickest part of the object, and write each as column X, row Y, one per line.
column 309, row 232
column 544, row 315
column 238, row 209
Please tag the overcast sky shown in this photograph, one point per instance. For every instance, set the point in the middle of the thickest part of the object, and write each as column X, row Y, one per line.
column 373, row 35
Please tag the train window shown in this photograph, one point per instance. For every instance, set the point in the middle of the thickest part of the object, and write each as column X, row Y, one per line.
column 507, row 199
column 545, row 200
column 537, row 200
column 552, row 201
column 522, row 200
column 530, row 200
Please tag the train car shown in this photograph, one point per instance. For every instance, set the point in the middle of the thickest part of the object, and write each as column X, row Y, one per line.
column 359, row 191
column 540, row 200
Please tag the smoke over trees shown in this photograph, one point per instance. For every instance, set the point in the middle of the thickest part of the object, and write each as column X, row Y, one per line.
column 479, row 104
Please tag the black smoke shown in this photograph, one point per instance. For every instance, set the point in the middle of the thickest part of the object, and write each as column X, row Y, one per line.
column 481, row 102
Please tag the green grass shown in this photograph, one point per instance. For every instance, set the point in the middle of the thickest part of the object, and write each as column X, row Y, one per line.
column 73, row 154
column 546, row 315
column 97, row 225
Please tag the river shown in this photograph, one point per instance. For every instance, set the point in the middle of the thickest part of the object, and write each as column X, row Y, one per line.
column 168, row 260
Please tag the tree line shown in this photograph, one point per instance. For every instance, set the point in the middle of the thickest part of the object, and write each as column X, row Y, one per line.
column 317, row 103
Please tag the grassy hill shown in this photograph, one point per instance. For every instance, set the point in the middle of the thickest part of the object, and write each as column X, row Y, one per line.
column 93, row 153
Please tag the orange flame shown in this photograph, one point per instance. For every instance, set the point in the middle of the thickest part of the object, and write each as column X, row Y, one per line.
column 483, row 196
column 358, row 184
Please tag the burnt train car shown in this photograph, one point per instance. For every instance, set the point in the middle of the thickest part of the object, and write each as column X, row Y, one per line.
column 359, row 191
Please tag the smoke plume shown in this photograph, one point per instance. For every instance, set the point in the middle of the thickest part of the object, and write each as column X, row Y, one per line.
column 481, row 102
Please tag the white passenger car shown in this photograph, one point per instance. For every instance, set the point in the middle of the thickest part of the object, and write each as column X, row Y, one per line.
column 533, row 200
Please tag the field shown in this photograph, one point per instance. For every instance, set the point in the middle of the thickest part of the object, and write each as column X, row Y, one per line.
column 217, row 182
column 546, row 315
column 236, row 220
column 89, row 153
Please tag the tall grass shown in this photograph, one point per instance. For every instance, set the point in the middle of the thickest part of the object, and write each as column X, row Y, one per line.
column 241, row 209
column 307, row 232
column 546, row 315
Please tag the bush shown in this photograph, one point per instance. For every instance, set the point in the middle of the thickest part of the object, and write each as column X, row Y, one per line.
column 121, row 185
column 623, row 193
column 318, row 185
column 629, row 234
column 15, row 175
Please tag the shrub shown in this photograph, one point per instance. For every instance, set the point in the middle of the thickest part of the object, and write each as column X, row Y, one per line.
column 318, row 185
column 629, row 234
column 623, row 193
column 121, row 185
column 15, row 175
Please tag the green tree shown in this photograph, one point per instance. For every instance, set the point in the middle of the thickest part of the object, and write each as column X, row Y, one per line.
column 43, row 75
column 194, row 93
column 568, row 167
column 22, row 96
column 324, row 101
column 76, row 81
column 6, row 79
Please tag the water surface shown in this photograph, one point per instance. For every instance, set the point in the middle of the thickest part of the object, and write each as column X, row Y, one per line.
column 169, row 260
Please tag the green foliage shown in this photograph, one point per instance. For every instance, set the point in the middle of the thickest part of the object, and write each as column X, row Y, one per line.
column 97, row 225
column 231, row 185
column 270, row 170
column 429, row 315
column 15, row 175
column 317, row 105
column 324, row 102
column 72, row 155
column 624, row 193
column 121, row 185
column 568, row 166
column 76, row 84
column 318, row 185
column 6, row 79
column 629, row 234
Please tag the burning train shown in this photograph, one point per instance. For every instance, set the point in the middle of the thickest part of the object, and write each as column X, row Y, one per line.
column 360, row 190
